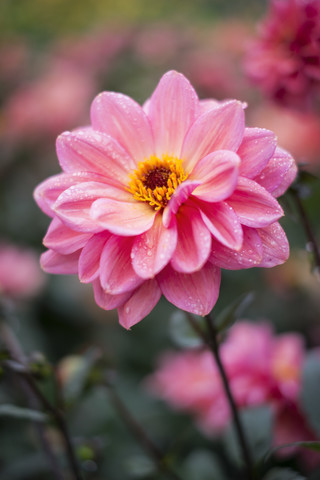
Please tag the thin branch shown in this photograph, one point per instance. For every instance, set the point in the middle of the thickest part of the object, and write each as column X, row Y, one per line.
column 138, row 432
column 210, row 340
column 13, row 346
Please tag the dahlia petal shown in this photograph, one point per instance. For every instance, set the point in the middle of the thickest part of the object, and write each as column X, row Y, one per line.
column 275, row 245
column 223, row 223
column 116, row 272
column 123, row 119
column 254, row 206
column 48, row 191
column 256, row 149
column 105, row 300
column 207, row 104
column 62, row 239
column 122, row 218
column 279, row 173
column 181, row 194
column 140, row 304
column 88, row 150
column 53, row 262
column 172, row 110
column 250, row 254
column 153, row 249
column 89, row 261
column 194, row 292
column 220, row 128
column 73, row 205
column 218, row 173
column 194, row 241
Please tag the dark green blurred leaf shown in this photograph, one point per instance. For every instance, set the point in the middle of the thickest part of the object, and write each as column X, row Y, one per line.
column 310, row 392
column 308, row 445
column 204, row 465
column 232, row 312
column 283, row 474
column 22, row 413
column 78, row 379
column 257, row 425
column 181, row 331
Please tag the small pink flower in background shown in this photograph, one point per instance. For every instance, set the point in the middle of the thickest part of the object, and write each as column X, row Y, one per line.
column 57, row 100
column 20, row 274
column 285, row 58
column 262, row 369
column 156, row 199
column 297, row 132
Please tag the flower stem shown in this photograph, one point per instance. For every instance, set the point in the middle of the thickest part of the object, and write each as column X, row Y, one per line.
column 11, row 343
column 210, row 340
column 138, row 432
column 307, row 227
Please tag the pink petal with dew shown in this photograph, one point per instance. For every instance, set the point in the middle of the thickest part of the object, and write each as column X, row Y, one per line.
column 172, row 110
column 223, row 223
column 218, row 174
column 62, row 239
column 88, row 150
column 73, row 205
column 48, row 191
column 123, row 218
column 153, row 249
column 181, row 194
column 220, row 128
column 279, row 173
column 207, row 104
column 89, row 261
column 116, row 272
column 256, row 149
column 123, row 119
column 250, row 255
column 194, row 241
column 254, row 206
column 194, row 292
column 105, row 300
column 140, row 304
column 53, row 262
column 275, row 245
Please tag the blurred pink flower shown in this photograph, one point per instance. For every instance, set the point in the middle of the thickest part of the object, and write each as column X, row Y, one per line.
column 20, row 274
column 298, row 132
column 57, row 100
column 285, row 58
column 155, row 200
column 263, row 369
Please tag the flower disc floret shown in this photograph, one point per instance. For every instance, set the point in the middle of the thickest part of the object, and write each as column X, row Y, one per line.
column 155, row 180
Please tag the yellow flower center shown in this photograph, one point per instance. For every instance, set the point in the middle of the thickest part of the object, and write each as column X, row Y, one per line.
column 155, row 180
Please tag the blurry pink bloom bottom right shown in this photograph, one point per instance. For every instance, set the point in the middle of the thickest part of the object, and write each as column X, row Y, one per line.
column 262, row 369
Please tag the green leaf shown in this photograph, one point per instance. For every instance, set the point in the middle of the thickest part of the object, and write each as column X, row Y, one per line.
column 257, row 425
column 232, row 312
column 203, row 464
column 310, row 391
column 7, row 410
column 78, row 380
column 182, row 333
column 283, row 474
column 308, row 445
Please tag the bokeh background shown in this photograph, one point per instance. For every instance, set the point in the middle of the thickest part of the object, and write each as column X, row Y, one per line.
column 55, row 56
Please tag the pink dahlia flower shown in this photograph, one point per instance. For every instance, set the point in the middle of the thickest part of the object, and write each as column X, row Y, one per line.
column 285, row 58
column 156, row 199
column 267, row 373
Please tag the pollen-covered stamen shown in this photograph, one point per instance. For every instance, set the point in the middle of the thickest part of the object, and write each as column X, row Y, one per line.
column 156, row 179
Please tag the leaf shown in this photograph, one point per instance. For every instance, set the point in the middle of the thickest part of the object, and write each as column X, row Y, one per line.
column 257, row 425
column 232, row 312
column 202, row 464
column 8, row 410
column 310, row 391
column 77, row 381
column 308, row 445
column 182, row 333
column 283, row 474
